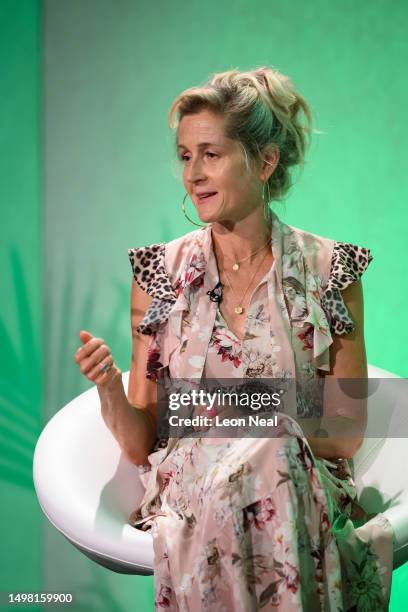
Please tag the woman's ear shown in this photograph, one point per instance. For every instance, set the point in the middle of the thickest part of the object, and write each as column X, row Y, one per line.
column 270, row 159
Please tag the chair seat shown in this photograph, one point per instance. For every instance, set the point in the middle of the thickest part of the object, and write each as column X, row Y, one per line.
column 87, row 487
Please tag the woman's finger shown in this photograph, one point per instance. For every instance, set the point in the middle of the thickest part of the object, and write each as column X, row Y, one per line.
column 100, row 371
column 95, row 360
column 105, row 377
column 98, row 355
column 88, row 348
column 85, row 336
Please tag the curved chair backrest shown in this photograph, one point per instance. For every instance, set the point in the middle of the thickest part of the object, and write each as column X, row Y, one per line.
column 380, row 466
column 87, row 487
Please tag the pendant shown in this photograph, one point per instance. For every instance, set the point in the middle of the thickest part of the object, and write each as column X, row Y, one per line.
column 235, row 266
column 238, row 309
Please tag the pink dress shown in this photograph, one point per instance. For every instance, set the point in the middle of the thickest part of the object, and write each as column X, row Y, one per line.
column 255, row 523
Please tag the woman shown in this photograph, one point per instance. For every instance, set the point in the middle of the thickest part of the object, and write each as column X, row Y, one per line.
column 243, row 523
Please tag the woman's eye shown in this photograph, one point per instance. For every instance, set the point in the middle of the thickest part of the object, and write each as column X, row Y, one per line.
column 211, row 155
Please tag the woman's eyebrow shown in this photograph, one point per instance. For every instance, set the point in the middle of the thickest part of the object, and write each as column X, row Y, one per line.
column 201, row 145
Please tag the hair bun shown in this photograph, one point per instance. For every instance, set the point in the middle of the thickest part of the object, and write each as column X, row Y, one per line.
column 260, row 107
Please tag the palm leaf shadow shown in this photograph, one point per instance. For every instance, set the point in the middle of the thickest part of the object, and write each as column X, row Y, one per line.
column 20, row 385
column 70, row 310
column 64, row 380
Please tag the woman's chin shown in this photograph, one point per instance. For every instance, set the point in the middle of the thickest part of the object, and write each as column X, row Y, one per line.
column 206, row 216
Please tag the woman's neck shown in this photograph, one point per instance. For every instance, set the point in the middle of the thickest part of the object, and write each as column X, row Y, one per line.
column 240, row 241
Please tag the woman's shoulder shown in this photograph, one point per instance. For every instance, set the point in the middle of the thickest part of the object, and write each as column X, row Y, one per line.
column 337, row 262
column 155, row 265
column 156, row 268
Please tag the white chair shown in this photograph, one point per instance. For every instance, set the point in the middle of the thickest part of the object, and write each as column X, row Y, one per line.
column 87, row 487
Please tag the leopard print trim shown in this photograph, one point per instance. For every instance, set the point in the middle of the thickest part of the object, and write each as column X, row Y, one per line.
column 150, row 274
column 348, row 264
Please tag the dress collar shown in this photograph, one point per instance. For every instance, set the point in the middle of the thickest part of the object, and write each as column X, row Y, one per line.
column 202, row 263
column 295, row 285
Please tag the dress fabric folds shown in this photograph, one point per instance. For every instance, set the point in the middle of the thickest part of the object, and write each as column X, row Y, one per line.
column 244, row 523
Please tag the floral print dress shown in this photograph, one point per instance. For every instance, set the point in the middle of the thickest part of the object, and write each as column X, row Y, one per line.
column 246, row 524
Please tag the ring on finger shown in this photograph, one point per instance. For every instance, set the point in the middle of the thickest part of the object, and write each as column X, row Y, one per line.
column 105, row 367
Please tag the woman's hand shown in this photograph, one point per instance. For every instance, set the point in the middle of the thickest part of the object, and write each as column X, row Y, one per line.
column 95, row 360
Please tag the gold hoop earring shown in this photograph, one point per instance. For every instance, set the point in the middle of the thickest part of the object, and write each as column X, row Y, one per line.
column 183, row 206
column 263, row 191
column 266, row 210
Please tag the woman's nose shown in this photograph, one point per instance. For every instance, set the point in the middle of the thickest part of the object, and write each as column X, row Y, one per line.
column 195, row 171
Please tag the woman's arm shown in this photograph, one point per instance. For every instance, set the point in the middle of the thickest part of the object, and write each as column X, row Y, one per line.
column 142, row 392
column 345, row 415
column 132, row 419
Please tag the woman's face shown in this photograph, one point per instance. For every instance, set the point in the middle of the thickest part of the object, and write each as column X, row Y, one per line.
column 213, row 163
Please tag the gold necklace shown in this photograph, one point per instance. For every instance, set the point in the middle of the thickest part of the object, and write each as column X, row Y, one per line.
column 235, row 267
column 239, row 309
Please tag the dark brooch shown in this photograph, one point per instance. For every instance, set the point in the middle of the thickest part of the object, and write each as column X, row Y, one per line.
column 216, row 293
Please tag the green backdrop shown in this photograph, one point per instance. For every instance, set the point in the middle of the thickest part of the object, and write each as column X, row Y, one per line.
column 21, row 290
column 88, row 170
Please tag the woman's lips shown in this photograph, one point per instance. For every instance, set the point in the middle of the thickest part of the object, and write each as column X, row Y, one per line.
column 205, row 199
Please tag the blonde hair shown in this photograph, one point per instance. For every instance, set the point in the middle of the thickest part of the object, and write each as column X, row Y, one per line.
column 260, row 107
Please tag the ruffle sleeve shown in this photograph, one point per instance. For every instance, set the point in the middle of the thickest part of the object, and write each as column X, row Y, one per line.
column 348, row 263
column 150, row 274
